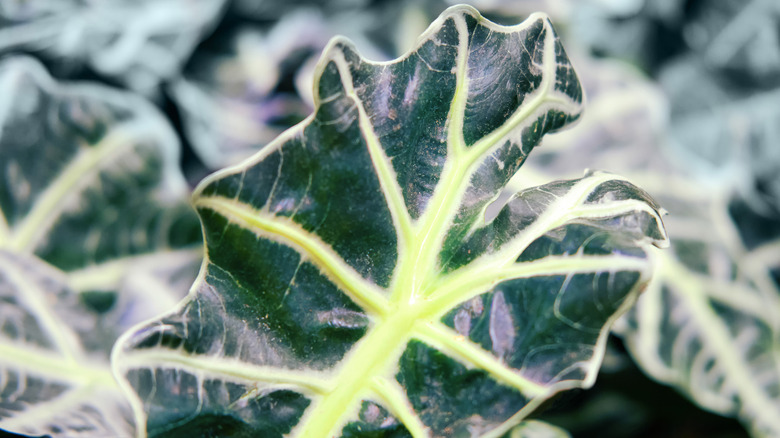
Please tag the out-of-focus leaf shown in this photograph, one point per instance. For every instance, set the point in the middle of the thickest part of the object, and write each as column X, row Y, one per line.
column 273, row 10
column 646, row 33
column 140, row 42
column 710, row 327
column 352, row 283
column 557, row 10
column 254, row 82
column 719, row 63
column 230, row 99
column 89, row 183
column 738, row 37
column 55, row 376
column 709, row 322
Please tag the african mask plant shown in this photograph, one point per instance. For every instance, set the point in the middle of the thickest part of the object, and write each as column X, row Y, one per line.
column 95, row 236
column 708, row 322
column 352, row 285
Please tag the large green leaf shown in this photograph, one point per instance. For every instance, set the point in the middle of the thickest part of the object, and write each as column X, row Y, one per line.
column 353, row 286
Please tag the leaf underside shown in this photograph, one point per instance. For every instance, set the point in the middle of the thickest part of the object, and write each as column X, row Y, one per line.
column 352, row 286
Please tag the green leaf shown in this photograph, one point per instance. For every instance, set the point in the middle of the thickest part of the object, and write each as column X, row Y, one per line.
column 138, row 42
column 353, row 286
column 89, row 184
column 55, row 376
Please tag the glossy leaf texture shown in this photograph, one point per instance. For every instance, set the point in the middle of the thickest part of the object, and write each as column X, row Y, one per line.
column 55, row 376
column 709, row 321
column 353, row 286
column 90, row 195
column 140, row 43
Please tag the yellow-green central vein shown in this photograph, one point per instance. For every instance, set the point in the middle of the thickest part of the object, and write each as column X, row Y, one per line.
column 367, row 370
column 379, row 350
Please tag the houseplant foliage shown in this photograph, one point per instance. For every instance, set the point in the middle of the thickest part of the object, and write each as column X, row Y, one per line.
column 720, row 288
column 90, row 179
column 139, row 43
column 96, row 236
column 708, row 321
column 56, row 375
column 352, row 284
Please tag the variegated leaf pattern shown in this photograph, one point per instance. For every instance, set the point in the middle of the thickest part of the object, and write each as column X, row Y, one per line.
column 352, row 285
column 89, row 184
column 709, row 321
column 55, row 376
column 90, row 179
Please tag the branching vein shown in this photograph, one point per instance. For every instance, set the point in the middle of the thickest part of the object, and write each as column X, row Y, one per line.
column 456, row 345
column 363, row 292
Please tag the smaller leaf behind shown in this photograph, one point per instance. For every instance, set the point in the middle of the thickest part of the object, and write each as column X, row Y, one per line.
column 56, row 377
column 89, row 183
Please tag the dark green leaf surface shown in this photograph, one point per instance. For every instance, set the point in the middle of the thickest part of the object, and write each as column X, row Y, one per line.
column 353, row 286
